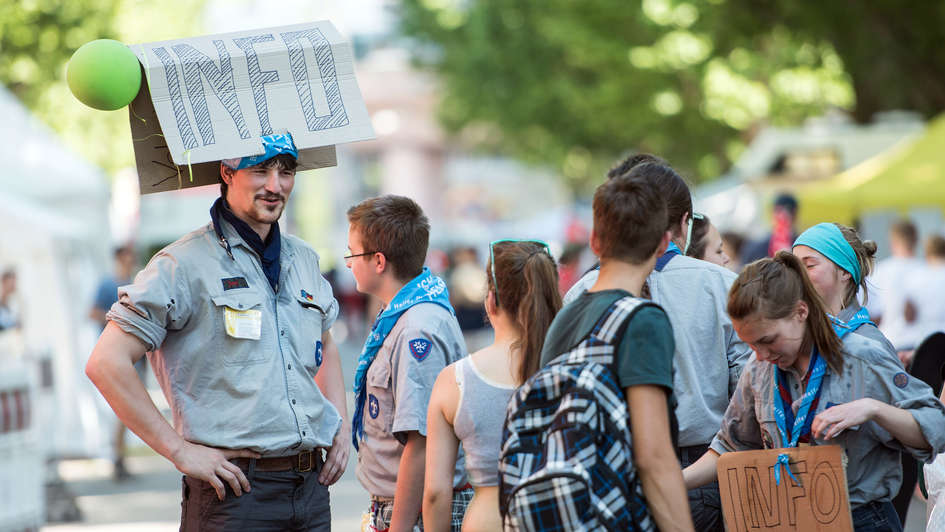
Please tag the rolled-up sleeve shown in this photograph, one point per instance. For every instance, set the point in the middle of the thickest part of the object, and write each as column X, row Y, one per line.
column 740, row 430
column 155, row 303
column 889, row 382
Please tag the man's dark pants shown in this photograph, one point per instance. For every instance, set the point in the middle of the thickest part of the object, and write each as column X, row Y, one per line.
column 704, row 502
column 279, row 500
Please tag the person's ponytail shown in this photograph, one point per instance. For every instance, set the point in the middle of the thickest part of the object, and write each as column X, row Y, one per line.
column 537, row 307
column 818, row 323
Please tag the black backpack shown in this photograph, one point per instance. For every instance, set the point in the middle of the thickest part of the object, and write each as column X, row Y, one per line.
column 566, row 461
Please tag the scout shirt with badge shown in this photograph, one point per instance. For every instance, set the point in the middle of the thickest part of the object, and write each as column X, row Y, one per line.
column 874, row 472
column 425, row 339
column 235, row 357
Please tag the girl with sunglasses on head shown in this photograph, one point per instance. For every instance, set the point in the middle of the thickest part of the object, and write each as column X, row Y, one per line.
column 705, row 243
column 804, row 384
column 470, row 396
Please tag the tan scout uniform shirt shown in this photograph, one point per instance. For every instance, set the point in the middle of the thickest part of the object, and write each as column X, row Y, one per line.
column 424, row 340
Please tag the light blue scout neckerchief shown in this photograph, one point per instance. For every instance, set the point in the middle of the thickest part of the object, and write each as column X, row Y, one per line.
column 813, row 387
column 424, row 288
column 843, row 328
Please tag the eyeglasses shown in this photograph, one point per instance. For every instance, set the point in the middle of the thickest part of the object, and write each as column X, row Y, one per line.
column 695, row 216
column 350, row 255
column 495, row 285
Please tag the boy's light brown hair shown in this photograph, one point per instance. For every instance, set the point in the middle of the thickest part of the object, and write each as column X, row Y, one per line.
column 396, row 227
column 630, row 219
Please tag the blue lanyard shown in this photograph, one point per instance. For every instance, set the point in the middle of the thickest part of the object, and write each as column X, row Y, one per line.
column 813, row 387
column 842, row 328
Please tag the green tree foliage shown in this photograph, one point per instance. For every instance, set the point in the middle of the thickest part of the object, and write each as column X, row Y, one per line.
column 575, row 84
column 892, row 50
column 37, row 38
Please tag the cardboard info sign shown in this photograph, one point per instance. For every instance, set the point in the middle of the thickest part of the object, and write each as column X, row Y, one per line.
column 211, row 97
column 752, row 499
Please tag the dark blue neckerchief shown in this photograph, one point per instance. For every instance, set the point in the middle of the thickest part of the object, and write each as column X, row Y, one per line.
column 671, row 251
column 268, row 251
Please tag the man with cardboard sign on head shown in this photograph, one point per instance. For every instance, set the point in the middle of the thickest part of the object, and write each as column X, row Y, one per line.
column 238, row 314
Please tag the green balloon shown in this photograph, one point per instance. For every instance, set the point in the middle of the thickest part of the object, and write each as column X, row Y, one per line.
column 104, row 74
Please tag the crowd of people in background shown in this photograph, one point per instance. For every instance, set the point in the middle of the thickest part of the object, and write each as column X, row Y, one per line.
column 693, row 342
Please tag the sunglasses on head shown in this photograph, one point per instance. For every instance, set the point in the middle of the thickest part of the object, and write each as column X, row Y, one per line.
column 695, row 216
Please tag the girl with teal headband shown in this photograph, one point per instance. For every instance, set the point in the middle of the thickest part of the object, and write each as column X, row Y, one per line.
column 838, row 263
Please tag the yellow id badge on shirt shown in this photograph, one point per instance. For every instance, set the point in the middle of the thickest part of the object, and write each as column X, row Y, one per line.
column 245, row 324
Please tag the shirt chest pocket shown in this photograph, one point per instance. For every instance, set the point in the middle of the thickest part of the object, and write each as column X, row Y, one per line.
column 379, row 410
column 309, row 333
column 240, row 321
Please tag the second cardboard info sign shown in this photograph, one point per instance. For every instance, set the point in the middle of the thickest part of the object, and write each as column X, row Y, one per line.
column 211, row 97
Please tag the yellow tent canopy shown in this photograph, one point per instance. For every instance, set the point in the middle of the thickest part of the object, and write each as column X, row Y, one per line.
column 908, row 175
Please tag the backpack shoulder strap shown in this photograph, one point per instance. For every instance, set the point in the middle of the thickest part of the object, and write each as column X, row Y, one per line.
column 615, row 319
column 609, row 326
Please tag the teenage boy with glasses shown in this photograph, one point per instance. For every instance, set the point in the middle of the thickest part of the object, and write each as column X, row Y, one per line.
column 414, row 337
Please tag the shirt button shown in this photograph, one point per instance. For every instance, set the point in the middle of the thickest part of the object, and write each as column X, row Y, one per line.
column 303, row 433
column 293, row 401
column 282, row 332
column 290, row 366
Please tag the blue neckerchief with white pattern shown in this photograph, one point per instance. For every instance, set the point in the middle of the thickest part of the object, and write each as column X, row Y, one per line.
column 424, row 288
column 843, row 328
column 800, row 420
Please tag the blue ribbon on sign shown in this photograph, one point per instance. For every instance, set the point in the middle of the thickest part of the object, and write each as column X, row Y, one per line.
column 424, row 288
column 785, row 462
column 792, row 434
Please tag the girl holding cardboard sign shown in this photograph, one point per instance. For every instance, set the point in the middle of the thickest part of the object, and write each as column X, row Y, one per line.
column 804, row 385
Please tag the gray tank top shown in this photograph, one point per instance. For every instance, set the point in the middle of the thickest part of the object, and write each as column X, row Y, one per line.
column 478, row 422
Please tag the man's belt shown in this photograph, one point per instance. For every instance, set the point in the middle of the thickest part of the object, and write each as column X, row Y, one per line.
column 302, row 462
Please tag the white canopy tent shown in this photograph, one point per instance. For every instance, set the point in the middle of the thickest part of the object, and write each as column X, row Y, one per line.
column 54, row 235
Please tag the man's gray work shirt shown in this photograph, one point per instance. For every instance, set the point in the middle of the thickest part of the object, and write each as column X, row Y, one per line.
column 874, row 471
column 425, row 339
column 228, row 392
column 709, row 355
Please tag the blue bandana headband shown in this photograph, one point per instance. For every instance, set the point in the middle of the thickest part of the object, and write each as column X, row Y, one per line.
column 273, row 144
column 826, row 239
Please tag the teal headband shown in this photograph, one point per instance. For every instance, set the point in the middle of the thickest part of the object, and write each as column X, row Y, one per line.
column 826, row 239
